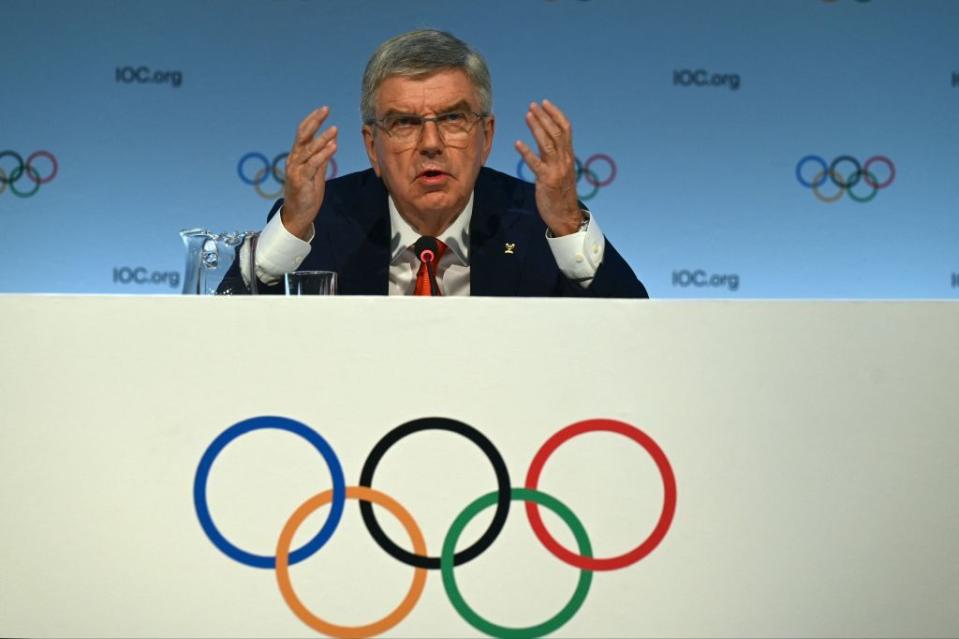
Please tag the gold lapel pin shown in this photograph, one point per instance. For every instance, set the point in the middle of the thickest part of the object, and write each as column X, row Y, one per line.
column 508, row 249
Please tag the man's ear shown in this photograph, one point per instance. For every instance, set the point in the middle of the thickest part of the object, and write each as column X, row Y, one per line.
column 369, row 141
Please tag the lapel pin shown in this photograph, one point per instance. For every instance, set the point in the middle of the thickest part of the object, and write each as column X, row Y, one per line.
column 508, row 249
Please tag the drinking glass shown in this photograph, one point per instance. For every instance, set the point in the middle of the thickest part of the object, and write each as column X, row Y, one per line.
column 310, row 283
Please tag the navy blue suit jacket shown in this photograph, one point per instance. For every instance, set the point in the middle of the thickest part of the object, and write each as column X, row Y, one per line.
column 353, row 238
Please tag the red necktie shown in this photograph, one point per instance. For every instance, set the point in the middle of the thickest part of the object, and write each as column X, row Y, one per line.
column 423, row 275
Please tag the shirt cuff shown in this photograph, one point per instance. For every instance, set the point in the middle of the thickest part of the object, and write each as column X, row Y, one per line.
column 277, row 252
column 578, row 255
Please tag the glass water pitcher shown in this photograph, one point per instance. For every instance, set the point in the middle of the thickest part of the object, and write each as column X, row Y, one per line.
column 213, row 262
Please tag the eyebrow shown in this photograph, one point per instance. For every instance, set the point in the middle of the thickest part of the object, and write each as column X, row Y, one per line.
column 462, row 105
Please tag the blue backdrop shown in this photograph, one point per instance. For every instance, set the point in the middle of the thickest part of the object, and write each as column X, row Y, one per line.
column 743, row 148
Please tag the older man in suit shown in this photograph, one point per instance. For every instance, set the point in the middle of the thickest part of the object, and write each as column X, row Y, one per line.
column 428, row 218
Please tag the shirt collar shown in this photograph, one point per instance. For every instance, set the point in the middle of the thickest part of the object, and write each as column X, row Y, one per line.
column 456, row 237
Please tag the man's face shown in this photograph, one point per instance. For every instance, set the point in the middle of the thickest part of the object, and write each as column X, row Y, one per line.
column 428, row 178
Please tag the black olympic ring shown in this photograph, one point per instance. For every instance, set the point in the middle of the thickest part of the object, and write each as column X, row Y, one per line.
column 26, row 168
column 470, row 433
column 853, row 178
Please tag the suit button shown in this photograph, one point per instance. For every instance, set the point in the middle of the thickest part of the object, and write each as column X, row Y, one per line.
column 579, row 257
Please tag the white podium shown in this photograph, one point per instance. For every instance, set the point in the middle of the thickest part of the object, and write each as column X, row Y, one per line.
column 154, row 453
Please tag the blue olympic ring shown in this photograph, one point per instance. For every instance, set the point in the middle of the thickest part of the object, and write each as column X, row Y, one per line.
column 823, row 175
column 259, row 177
column 246, row 426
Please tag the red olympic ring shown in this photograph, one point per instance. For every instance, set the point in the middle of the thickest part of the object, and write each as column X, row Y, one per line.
column 871, row 180
column 53, row 161
column 669, row 497
column 591, row 175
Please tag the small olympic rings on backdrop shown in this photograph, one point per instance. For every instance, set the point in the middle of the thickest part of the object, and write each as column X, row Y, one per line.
column 26, row 169
column 449, row 558
column 585, row 170
column 845, row 172
column 271, row 169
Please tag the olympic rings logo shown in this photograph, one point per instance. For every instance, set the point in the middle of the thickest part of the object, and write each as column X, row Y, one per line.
column 28, row 170
column 584, row 170
column 859, row 174
column 271, row 169
column 449, row 557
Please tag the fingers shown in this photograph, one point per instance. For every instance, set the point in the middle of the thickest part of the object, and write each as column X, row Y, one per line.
column 310, row 154
column 554, row 167
column 553, row 134
column 315, row 146
column 558, row 117
column 310, row 125
column 316, row 165
column 532, row 160
column 550, row 128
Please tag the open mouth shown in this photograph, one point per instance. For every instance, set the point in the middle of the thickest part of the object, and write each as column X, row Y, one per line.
column 431, row 174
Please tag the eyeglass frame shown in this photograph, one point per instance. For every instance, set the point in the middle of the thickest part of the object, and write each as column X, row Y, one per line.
column 435, row 119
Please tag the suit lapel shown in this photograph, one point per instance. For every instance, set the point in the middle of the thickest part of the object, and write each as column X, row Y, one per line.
column 496, row 253
column 365, row 256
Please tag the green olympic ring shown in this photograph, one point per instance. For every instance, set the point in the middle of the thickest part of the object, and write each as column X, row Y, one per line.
column 34, row 176
column 591, row 178
column 472, row 617
column 871, row 182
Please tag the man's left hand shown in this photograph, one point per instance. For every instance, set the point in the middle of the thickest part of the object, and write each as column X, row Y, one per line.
column 554, row 167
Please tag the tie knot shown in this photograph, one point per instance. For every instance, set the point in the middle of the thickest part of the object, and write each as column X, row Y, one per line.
column 429, row 249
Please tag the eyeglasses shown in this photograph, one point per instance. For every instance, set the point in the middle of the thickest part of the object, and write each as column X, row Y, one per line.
column 454, row 126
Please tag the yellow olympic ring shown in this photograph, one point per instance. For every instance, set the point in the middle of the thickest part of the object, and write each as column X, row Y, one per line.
column 823, row 198
column 283, row 560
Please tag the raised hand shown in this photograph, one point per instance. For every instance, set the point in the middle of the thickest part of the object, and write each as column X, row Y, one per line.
column 306, row 173
column 554, row 167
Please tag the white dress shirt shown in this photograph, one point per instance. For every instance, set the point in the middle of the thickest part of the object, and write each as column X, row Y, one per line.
column 278, row 251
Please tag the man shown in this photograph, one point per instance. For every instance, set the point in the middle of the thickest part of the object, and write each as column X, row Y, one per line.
column 428, row 129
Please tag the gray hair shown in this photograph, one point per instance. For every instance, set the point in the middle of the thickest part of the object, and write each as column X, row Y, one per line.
column 421, row 53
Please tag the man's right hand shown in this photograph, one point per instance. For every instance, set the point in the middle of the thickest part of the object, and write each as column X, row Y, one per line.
column 306, row 173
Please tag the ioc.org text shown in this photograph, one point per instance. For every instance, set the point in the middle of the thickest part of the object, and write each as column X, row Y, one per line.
column 141, row 275
column 703, row 78
column 701, row 279
column 145, row 75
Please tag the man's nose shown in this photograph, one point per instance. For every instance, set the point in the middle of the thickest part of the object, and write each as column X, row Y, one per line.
column 431, row 140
